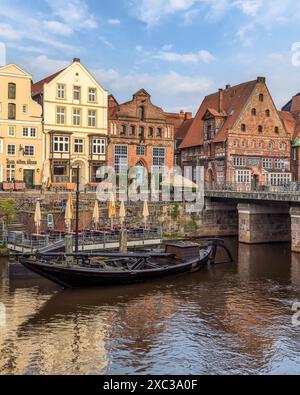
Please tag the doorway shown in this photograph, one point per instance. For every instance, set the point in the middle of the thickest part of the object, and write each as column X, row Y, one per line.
column 255, row 182
column 29, row 178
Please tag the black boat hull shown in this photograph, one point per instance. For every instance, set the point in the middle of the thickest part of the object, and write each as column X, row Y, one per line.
column 80, row 277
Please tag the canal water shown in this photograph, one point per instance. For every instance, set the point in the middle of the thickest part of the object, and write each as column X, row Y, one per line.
column 229, row 319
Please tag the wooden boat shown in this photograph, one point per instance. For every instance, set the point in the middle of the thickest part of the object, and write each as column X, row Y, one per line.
column 93, row 270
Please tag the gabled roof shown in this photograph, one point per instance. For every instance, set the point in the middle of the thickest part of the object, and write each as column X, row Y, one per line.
column 233, row 102
column 288, row 122
column 38, row 87
column 293, row 105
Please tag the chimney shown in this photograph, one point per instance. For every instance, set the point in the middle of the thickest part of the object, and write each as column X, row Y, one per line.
column 181, row 115
column 228, row 86
column 220, row 109
column 76, row 60
column 261, row 79
column 188, row 115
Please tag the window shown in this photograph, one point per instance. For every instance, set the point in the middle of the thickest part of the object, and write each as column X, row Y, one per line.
column 61, row 91
column 29, row 150
column 279, row 164
column 261, row 145
column 168, row 132
column 253, row 111
column 76, row 93
column 239, row 162
column 271, row 146
column 11, row 149
column 235, row 143
column 243, row 127
column 141, row 132
column 277, row 179
column 123, row 130
column 12, row 91
column 261, row 97
column 24, row 108
column 159, row 133
column 267, row 163
column 252, row 144
column 158, row 160
column 78, row 146
column 29, row 132
column 141, row 113
column 121, row 159
column 76, row 116
column 11, row 111
column 132, row 130
column 92, row 118
column 244, row 144
column 282, row 146
column 61, row 144
column 276, row 129
column 260, row 129
column 10, row 172
column 60, row 115
column 150, row 132
column 92, row 95
column 243, row 176
column 268, row 113
column 12, row 131
column 141, row 150
column 99, row 146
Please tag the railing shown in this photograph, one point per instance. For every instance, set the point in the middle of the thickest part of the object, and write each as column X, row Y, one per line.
column 289, row 188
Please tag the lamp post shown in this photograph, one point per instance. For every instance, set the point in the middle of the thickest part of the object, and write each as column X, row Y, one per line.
column 77, row 210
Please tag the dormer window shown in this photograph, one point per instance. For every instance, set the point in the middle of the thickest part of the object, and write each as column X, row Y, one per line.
column 243, row 127
column 141, row 113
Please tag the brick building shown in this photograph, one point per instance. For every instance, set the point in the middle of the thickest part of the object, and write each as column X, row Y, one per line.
column 291, row 114
column 239, row 138
column 140, row 134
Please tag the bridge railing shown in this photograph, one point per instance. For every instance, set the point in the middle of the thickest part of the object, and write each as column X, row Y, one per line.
column 289, row 188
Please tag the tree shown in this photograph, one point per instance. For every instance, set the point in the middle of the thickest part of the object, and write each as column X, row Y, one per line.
column 8, row 211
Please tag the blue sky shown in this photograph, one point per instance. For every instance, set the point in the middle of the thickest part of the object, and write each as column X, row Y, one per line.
column 179, row 50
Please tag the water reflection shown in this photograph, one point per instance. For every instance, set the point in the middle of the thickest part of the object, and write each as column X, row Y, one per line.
column 228, row 319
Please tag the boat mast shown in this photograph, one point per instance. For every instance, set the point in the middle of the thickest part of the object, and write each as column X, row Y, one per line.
column 77, row 211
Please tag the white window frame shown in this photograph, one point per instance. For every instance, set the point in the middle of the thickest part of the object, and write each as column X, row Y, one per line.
column 29, row 132
column 158, row 160
column 121, row 159
column 76, row 93
column 61, row 91
column 78, row 146
column 29, row 150
column 76, row 116
column 60, row 115
column 99, row 146
column 92, row 118
column 92, row 94
column 278, row 179
column 141, row 150
column 11, row 128
column 239, row 161
column 13, row 153
column 10, row 172
column 61, row 144
column 267, row 163
column 243, row 176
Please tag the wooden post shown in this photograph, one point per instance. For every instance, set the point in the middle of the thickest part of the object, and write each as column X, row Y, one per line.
column 123, row 241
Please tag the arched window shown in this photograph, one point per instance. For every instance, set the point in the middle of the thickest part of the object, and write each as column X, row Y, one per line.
column 253, row 112
column 261, row 97
column 268, row 113
column 243, row 127
column 12, row 91
column 11, row 111
column 282, row 146
column 261, row 145
column 260, row 129
column 244, row 144
column 142, row 113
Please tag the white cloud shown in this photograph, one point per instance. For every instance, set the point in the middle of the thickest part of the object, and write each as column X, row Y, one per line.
column 203, row 56
column 58, row 28
column 42, row 65
column 8, row 32
column 74, row 13
column 106, row 42
column 114, row 22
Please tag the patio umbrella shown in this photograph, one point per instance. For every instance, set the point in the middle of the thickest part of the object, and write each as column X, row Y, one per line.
column 122, row 213
column 69, row 213
column 112, row 210
column 96, row 214
column 177, row 181
column 146, row 212
column 38, row 216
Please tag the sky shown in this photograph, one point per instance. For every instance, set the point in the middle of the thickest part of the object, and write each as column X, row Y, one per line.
column 178, row 50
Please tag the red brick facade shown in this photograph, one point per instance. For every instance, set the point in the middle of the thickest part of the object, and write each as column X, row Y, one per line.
column 239, row 138
column 143, row 132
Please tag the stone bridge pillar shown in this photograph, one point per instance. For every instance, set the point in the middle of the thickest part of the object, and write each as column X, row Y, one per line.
column 295, row 226
column 264, row 223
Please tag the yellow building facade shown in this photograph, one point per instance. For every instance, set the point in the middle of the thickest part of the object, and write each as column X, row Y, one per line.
column 20, row 130
column 75, row 125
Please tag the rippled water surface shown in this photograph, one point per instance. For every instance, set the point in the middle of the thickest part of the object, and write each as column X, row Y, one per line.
column 233, row 318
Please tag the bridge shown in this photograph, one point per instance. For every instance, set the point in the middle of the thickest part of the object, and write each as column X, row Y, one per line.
column 263, row 216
